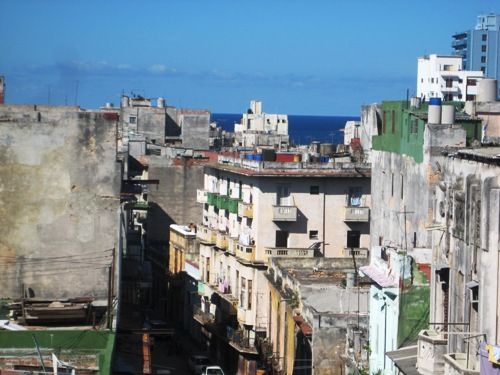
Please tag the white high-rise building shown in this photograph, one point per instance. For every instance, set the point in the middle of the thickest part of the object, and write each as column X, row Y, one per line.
column 441, row 76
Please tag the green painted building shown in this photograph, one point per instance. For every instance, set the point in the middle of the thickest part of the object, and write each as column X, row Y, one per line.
column 402, row 128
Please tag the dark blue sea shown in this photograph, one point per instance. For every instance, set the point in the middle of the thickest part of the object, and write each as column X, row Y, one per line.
column 302, row 129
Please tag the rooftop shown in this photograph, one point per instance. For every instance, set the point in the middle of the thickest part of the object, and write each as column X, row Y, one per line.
column 291, row 169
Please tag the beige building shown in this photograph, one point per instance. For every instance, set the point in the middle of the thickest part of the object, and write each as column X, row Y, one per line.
column 254, row 211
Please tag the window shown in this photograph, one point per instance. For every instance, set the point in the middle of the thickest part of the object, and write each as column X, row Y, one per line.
column 471, row 82
column 402, row 187
column 384, row 122
column 449, row 82
column 484, row 37
column 314, row 190
column 393, row 122
column 208, row 270
column 414, row 126
column 313, row 234
column 483, row 69
column 354, row 197
column 243, row 293
column 353, row 239
column 249, row 294
column 483, row 48
column 432, row 80
column 237, row 291
column 281, row 238
column 132, row 119
column 483, row 59
column 392, row 184
column 283, row 195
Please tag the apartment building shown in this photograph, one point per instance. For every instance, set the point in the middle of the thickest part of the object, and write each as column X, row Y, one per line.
column 255, row 211
column 464, row 330
column 258, row 128
column 408, row 151
column 318, row 317
column 443, row 77
column 480, row 47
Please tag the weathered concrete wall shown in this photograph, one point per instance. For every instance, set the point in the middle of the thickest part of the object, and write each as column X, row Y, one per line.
column 175, row 197
column 59, row 195
column 195, row 128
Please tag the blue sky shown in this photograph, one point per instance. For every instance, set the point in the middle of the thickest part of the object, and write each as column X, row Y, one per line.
column 299, row 56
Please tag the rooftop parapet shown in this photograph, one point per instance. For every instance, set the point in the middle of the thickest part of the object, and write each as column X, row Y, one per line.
column 257, row 167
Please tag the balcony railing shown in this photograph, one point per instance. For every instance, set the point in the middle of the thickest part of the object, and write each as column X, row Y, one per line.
column 358, row 252
column 201, row 196
column 246, row 253
column 206, row 235
column 284, row 213
column 232, row 205
column 221, row 240
column 431, row 351
column 459, row 364
column 287, row 252
column 245, row 209
column 357, row 214
column 203, row 317
column 212, row 198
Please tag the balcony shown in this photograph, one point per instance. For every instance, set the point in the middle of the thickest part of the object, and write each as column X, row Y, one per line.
column 203, row 317
column 287, row 252
column 212, row 198
column 221, row 240
column 232, row 205
column 459, row 364
column 358, row 252
column 232, row 243
column 206, row 235
column 245, row 209
column 459, row 43
column 357, row 214
column 431, row 349
column 240, row 341
column 245, row 253
column 284, row 213
column 201, row 196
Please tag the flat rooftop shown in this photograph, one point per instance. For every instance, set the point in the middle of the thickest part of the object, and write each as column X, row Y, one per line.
column 291, row 169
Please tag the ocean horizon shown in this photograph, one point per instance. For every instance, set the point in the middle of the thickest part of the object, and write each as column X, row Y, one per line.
column 303, row 129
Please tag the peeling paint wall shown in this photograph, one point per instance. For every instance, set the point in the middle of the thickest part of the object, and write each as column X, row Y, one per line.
column 59, row 195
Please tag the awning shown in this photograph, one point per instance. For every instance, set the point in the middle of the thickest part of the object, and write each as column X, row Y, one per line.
column 405, row 359
column 304, row 327
column 378, row 276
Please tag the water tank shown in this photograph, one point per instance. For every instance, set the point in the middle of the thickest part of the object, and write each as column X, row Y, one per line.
column 434, row 111
column 160, row 102
column 415, row 102
column 326, row 148
column 447, row 114
column 109, row 105
column 487, row 90
column 315, row 145
column 125, row 101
